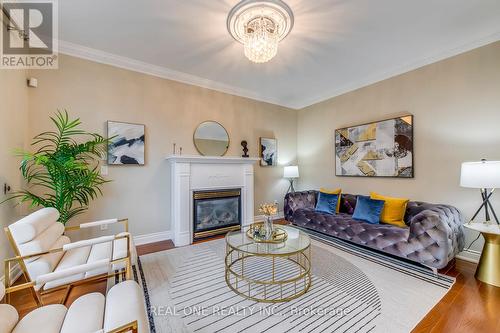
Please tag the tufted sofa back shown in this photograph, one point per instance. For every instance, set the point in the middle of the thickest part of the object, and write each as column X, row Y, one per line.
column 433, row 236
column 307, row 199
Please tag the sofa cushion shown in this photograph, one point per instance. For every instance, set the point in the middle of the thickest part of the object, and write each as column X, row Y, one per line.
column 296, row 200
column 120, row 246
column 85, row 315
column 71, row 258
column 99, row 252
column 414, row 208
column 337, row 191
column 103, row 251
column 47, row 263
column 43, row 242
column 8, row 317
column 434, row 236
column 368, row 210
column 348, row 203
column 394, row 209
column 120, row 250
column 327, row 203
column 382, row 237
column 47, row 319
column 124, row 304
column 27, row 228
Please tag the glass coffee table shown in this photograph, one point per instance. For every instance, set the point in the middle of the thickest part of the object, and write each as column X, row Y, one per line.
column 268, row 272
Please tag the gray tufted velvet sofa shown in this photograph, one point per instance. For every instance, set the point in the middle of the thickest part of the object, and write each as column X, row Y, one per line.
column 433, row 236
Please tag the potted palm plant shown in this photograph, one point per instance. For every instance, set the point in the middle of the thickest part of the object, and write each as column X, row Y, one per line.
column 62, row 171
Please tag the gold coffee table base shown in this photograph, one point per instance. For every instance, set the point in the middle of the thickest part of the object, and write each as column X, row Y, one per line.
column 269, row 272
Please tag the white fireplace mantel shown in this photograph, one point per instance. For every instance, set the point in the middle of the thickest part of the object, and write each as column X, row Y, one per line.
column 211, row 159
column 189, row 173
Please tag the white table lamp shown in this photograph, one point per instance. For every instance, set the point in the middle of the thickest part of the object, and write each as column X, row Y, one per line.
column 291, row 172
column 484, row 175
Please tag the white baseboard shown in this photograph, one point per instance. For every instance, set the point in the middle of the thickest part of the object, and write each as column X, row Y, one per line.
column 153, row 238
column 260, row 218
column 15, row 273
column 469, row 255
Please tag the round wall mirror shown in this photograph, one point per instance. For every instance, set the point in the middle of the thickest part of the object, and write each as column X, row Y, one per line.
column 211, row 139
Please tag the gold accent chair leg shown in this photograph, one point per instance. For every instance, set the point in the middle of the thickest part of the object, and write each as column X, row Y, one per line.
column 36, row 296
column 131, row 327
column 69, row 288
column 7, row 280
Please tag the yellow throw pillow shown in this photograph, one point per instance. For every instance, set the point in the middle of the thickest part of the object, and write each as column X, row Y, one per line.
column 394, row 209
column 337, row 191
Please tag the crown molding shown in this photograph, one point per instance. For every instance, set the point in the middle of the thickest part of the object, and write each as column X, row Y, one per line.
column 83, row 52
column 91, row 54
column 384, row 75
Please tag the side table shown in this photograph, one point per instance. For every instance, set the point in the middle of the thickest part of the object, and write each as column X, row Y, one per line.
column 488, row 269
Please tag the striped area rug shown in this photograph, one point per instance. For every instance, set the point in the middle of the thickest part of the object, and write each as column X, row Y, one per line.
column 353, row 290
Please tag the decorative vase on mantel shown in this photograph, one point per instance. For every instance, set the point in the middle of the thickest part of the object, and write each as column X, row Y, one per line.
column 268, row 210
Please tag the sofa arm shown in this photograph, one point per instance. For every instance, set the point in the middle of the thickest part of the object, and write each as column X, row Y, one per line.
column 70, row 271
column 98, row 223
column 439, row 230
column 294, row 201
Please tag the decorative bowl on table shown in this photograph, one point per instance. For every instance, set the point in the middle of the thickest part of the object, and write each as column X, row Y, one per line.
column 258, row 232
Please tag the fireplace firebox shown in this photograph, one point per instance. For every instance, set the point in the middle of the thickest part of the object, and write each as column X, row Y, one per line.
column 216, row 212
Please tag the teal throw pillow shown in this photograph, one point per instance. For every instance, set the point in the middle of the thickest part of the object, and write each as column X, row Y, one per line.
column 327, row 203
column 368, row 210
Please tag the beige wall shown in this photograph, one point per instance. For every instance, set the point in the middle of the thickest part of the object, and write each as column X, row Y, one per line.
column 13, row 134
column 456, row 103
column 171, row 111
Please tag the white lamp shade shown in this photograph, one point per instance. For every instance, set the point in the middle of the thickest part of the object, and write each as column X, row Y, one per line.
column 291, row 171
column 484, row 174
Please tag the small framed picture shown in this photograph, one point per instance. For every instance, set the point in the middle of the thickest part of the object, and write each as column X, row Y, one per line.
column 268, row 152
column 127, row 143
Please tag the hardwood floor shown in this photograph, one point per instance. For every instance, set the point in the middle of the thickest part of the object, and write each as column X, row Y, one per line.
column 23, row 300
column 154, row 247
column 470, row 306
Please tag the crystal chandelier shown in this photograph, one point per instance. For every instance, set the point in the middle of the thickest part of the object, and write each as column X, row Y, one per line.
column 261, row 40
column 260, row 26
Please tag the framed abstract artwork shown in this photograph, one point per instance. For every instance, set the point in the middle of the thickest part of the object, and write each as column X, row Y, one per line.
column 377, row 149
column 268, row 152
column 126, row 144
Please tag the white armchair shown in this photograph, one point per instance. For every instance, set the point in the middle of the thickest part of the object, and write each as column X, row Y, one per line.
column 43, row 250
column 8, row 315
column 122, row 310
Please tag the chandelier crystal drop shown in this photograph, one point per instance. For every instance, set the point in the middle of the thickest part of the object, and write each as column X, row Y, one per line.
column 261, row 40
column 260, row 26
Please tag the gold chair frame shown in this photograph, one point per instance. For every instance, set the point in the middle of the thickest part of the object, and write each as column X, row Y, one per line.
column 132, row 326
column 37, row 295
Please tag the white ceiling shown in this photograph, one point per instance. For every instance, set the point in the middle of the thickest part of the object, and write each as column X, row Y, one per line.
column 335, row 46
